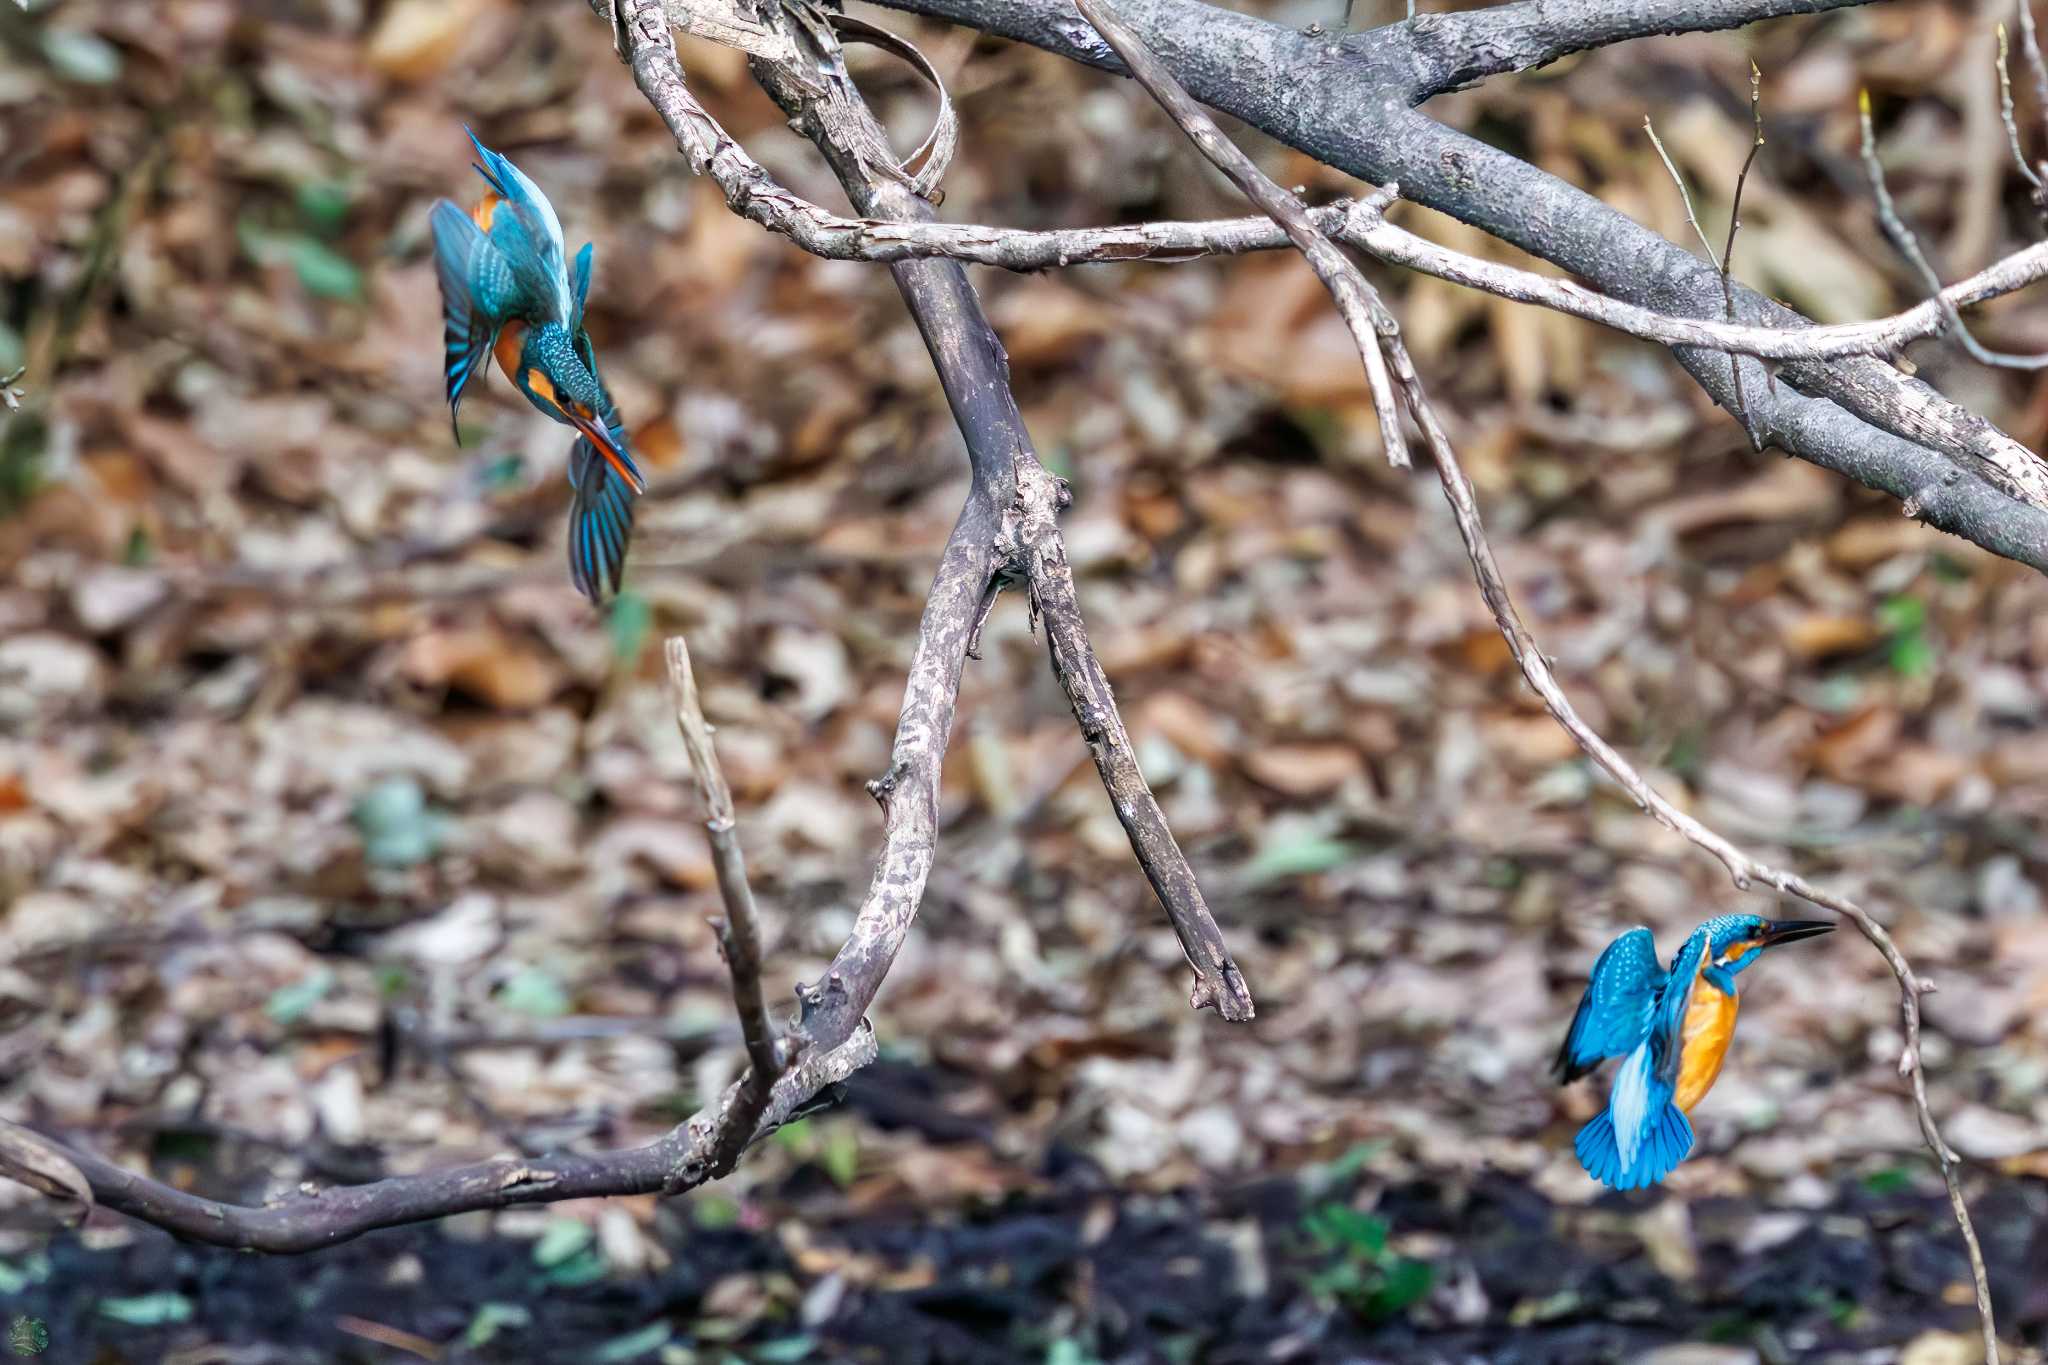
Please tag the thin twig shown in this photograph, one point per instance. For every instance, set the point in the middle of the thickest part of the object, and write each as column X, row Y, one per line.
column 1756, row 115
column 2005, row 109
column 1684, row 194
column 2030, row 49
column 1742, row 868
column 1356, row 300
column 739, row 931
column 1745, row 870
column 1909, row 246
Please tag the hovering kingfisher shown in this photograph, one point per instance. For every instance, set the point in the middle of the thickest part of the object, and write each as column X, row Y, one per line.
column 1673, row 1029
column 507, row 290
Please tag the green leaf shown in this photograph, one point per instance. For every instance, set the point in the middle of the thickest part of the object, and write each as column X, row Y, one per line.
column 493, row 1318
column 325, row 272
column 562, row 1238
column 629, row 623
column 81, row 56
column 1903, row 613
column 323, row 204
column 1341, row 1227
column 840, row 1155
column 12, row 1281
column 148, row 1310
column 1403, row 1284
column 795, row 1136
column 633, row 1345
column 1068, row 1351
column 535, row 991
column 1334, row 1174
column 288, row 1003
column 1911, row 655
column 503, row 474
column 784, row 1350
column 397, row 828
column 1890, row 1180
column 714, row 1211
column 585, row 1267
column 1299, row 857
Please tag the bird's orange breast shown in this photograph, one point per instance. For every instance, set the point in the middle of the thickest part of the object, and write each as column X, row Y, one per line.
column 511, row 337
column 1709, row 1025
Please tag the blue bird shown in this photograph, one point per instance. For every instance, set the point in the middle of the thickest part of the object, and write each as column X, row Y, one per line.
column 507, row 290
column 1672, row 1030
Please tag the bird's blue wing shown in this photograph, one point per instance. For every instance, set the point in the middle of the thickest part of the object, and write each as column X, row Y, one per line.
column 579, row 284
column 1668, row 1032
column 600, row 517
column 463, row 255
column 1614, row 1014
column 531, row 238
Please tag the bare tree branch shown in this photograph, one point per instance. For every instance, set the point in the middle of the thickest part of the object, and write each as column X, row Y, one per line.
column 308, row 1221
column 2005, row 109
column 1908, row 246
column 1345, row 101
column 1744, row 869
column 974, row 373
column 2030, row 49
column 831, row 1038
column 1033, row 528
column 739, row 932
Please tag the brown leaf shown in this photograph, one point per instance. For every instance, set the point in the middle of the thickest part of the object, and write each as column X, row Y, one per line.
column 1820, row 635
column 485, row 661
column 418, row 38
column 1304, row 769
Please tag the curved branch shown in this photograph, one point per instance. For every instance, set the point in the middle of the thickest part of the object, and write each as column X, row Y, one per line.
column 309, row 1221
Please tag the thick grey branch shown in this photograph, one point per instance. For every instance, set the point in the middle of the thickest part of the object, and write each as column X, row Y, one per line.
column 1347, row 103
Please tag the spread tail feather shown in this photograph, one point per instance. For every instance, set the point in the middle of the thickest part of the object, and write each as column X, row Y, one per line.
column 600, row 519
column 1663, row 1142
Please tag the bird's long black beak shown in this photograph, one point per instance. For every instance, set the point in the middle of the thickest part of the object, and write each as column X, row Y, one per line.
column 1792, row 930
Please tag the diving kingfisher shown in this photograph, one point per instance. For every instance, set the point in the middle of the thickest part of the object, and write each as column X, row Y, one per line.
column 507, row 290
column 1672, row 1028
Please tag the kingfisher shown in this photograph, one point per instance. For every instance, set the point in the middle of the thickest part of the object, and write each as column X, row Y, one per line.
column 1672, row 1028
column 508, row 290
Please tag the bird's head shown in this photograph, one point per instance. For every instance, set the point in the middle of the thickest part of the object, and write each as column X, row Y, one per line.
column 556, row 374
column 1735, row 941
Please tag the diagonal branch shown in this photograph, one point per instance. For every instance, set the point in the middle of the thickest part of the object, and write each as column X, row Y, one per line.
column 1908, row 245
column 1744, row 869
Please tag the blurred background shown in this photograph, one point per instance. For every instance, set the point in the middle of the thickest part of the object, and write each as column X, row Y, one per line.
column 339, row 837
